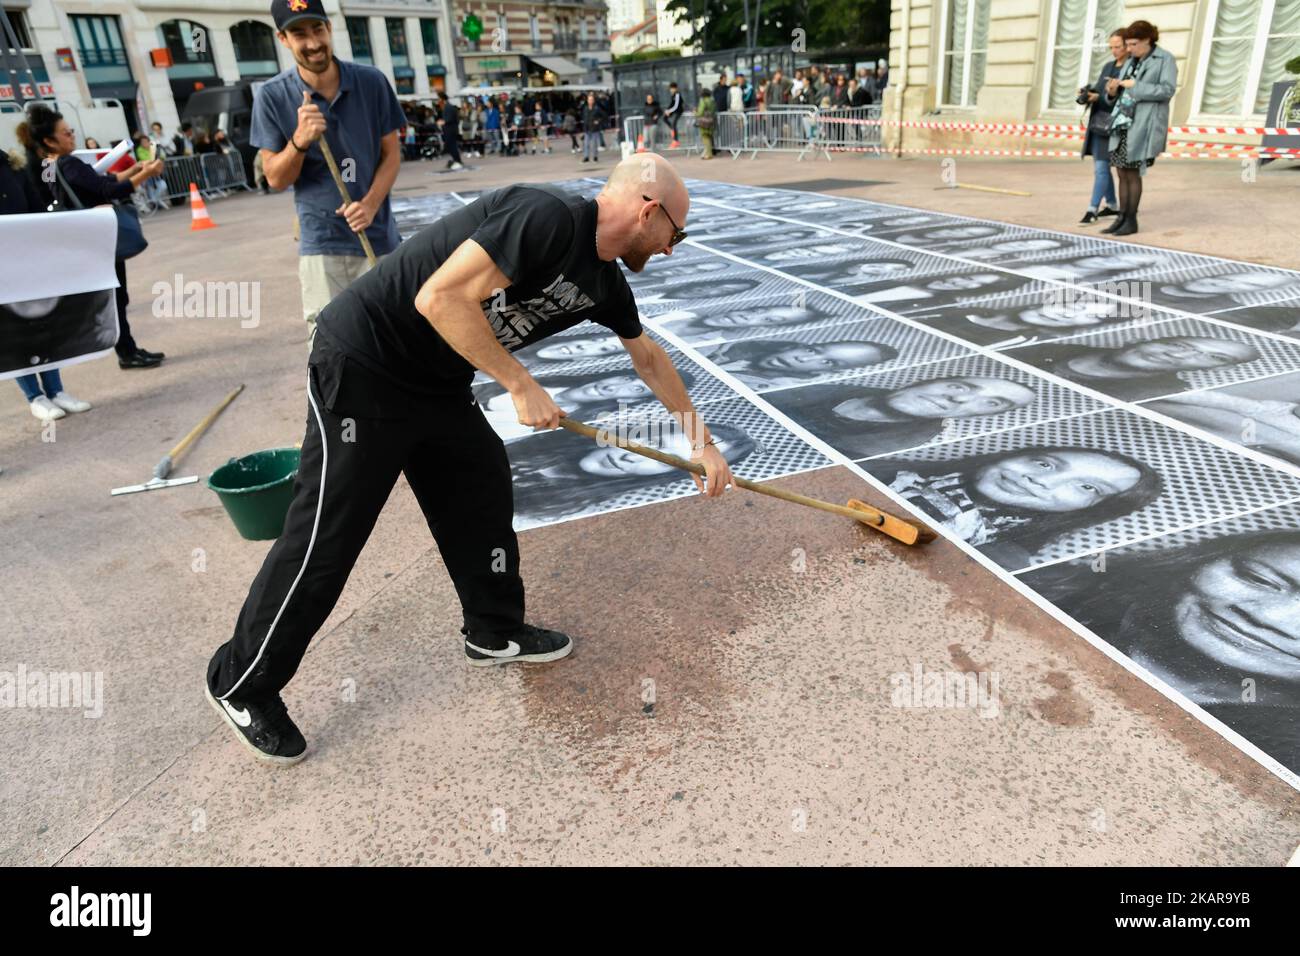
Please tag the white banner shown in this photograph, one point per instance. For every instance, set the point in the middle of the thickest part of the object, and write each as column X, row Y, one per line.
column 46, row 254
column 57, row 282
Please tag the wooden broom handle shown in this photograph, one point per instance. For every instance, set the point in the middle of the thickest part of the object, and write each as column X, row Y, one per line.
column 164, row 467
column 882, row 521
column 344, row 194
column 202, row 426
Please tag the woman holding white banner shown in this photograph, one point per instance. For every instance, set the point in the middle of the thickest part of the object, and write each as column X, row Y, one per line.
column 50, row 141
column 45, row 395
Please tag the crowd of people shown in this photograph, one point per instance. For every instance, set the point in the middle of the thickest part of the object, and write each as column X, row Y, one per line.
column 527, row 122
column 813, row 86
column 516, row 123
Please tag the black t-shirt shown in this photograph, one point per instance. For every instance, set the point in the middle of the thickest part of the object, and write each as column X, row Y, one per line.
column 542, row 238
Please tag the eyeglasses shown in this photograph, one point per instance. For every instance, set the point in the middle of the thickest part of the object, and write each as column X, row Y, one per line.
column 678, row 235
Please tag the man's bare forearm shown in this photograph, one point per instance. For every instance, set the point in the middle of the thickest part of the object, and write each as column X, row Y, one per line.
column 668, row 387
column 385, row 175
column 282, row 169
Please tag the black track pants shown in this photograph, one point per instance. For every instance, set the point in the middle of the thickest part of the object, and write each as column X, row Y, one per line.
column 458, row 469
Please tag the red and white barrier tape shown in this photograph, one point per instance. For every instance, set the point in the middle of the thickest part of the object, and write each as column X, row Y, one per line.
column 993, row 152
column 1038, row 128
column 1253, row 152
column 1235, row 131
column 1053, row 130
column 991, row 127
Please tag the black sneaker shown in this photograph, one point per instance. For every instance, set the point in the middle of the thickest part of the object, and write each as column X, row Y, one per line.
column 1089, row 217
column 1105, row 211
column 265, row 728
column 534, row 644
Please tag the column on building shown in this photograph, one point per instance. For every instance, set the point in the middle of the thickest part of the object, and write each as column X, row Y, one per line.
column 383, row 60
column 415, row 50
column 223, row 52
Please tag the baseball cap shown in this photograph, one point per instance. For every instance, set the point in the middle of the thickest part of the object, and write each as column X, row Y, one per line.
column 287, row 12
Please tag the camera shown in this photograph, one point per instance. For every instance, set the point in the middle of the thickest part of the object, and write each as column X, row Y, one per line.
column 1082, row 98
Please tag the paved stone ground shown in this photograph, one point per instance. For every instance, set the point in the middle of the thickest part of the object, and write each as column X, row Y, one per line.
column 772, row 738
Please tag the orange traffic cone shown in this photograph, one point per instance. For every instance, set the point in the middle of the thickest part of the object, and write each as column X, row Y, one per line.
column 199, row 218
column 640, row 143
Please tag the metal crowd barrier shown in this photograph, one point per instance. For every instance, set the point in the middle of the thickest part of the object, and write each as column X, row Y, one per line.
column 223, row 172
column 688, row 137
column 854, row 129
column 780, row 129
column 216, row 174
column 633, row 128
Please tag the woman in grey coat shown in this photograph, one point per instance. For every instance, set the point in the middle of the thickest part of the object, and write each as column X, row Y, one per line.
column 1139, row 117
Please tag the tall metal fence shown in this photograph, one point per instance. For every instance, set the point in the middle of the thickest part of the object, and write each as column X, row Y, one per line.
column 801, row 130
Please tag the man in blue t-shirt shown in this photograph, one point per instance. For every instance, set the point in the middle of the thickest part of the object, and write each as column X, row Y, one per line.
column 355, row 108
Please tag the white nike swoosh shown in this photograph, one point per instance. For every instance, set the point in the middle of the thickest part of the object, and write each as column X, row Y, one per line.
column 511, row 649
column 242, row 717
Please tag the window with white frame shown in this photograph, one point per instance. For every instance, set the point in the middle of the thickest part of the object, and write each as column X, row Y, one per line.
column 966, row 48
column 1249, row 42
column 534, row 32
column 1080, row 46
column 501, row 41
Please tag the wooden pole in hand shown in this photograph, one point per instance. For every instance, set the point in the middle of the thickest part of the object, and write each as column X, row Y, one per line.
column 344, row 194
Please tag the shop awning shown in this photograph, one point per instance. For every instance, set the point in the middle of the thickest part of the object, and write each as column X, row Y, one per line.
column 559, row 65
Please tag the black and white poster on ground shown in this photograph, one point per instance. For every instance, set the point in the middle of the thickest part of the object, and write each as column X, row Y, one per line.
column 1111, row 429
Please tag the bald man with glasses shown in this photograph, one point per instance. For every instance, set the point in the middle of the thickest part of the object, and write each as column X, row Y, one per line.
column 389, row 394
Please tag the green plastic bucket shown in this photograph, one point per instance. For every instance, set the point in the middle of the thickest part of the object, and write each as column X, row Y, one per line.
column 256, row 491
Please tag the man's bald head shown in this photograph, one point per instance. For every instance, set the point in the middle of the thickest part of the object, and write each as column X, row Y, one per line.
column 642, row 200
column 649, row 174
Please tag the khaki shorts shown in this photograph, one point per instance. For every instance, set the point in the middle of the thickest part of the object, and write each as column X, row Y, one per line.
column 322, row 278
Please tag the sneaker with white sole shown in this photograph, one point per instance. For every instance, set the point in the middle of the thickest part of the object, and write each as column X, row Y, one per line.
column 264, row 727
column 46, row 410
column 70, row 404
column 529, row 644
